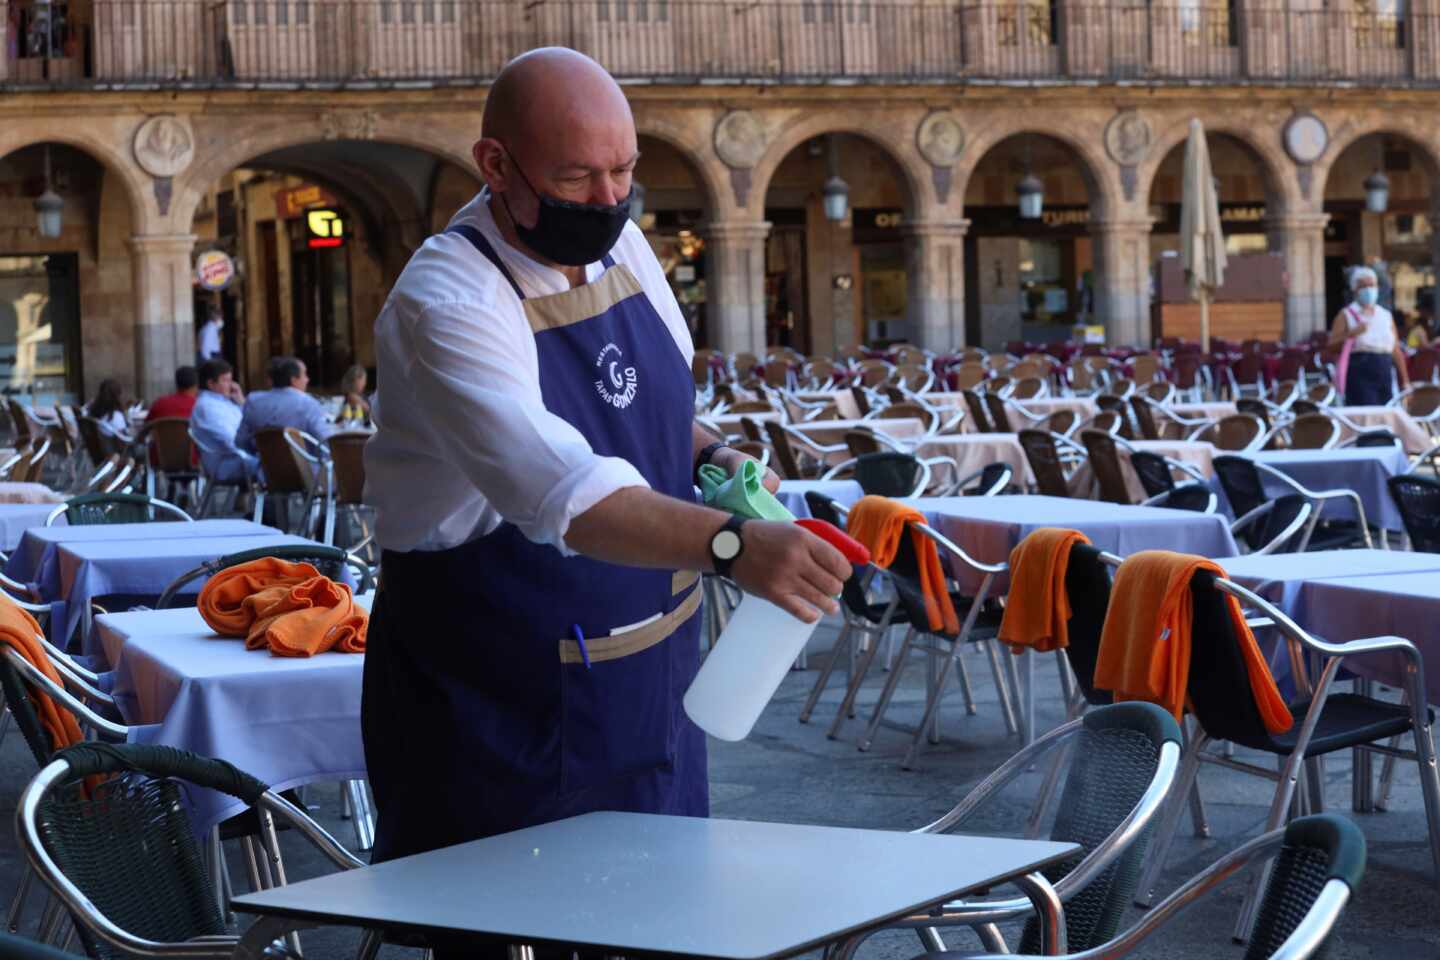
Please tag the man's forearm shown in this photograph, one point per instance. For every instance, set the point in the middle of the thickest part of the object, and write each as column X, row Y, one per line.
column 637, row 527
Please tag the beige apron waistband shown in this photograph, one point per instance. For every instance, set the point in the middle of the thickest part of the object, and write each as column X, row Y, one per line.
column 633, row 641
column 682, row 580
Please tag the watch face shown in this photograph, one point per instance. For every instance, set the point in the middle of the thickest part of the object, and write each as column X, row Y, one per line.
column 726, row 545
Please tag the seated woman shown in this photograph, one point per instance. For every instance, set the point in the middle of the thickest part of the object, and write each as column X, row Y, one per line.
column 1413, row 329
column 352, row 387
column 108, row 407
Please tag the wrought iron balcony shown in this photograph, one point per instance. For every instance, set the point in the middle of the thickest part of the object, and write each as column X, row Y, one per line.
column 365, row 43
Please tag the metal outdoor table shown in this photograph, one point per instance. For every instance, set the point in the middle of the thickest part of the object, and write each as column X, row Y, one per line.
column 645, row 885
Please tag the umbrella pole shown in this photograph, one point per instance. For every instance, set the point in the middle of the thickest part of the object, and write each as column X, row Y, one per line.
column 1205, row 321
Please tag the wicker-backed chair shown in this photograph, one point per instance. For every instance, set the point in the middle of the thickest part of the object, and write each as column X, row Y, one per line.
column 1028, row 388
column 750, row 406
column 1191, row 375
column 970, row 374
column 1080, row 380
column 1105, row 465
column 798, row 457
column 910, row 411
column 998, row 412
column 1042, row 451
column 1246, row 376
column 124, row 860
column 32, row 468
column 751, row 429
column 1120, row 406
column 1120, row 765
column 1256, row 407
column 873, row 373
column 347, row 455
column 1145, row 368
column 914, row 377
column 1321, row 394
column 979, row 416
column 172, row 457
column 1315, row 865
column 287, row 475
column 93, row 509
column 112, row 476
column 1418, row 499
column 820, row 373
column 1062, row 422
column 999, row 385
column 332, row 562
column 19, row 422
column 99, row 443
column 1314, row 431
column 1030, row 370
column 1144, row 417
column 1239, row 432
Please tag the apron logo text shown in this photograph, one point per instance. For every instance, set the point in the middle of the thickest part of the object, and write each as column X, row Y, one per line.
column 616, row 384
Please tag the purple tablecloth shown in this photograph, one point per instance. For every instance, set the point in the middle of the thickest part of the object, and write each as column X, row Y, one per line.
column 16, row 518
column 988, row 528
column 287, row 720
column 1279, row 577
column 34, row 560
column 140, row 568
column 1362, row 469
column 1403, row 605
column 792, row 493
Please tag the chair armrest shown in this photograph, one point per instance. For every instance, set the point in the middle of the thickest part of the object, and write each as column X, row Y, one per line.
column 838, row 468
column 947, row 545
column 1189, row 469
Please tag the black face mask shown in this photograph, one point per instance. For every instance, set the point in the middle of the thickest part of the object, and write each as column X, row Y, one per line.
column 573, row 234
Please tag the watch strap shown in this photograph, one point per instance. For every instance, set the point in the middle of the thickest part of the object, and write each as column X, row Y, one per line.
column 706, row 455
column 723, row 565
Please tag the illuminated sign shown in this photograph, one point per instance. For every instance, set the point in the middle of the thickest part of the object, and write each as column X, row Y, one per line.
column 214, row 270
column 326, row 229
column 291, row 203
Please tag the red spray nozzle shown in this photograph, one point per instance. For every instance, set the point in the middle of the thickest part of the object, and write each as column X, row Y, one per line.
column 853, row 549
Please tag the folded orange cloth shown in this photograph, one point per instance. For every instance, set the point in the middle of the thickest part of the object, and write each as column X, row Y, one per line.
column 1145, row 646
column 878, row 523
column 286, row 607
column 1037, row 615
column 19, row 630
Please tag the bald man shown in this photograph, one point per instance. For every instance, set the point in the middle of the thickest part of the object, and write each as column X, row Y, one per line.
column 533, row 471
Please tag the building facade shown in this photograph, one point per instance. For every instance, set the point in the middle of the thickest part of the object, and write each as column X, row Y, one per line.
column 174, row 127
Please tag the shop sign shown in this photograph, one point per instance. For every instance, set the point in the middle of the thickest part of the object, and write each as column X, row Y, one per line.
column 214, row 270
column 684, row 273
column 291, row 203
column 326, row 228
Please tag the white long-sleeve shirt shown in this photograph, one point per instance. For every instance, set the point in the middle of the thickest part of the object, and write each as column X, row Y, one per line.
column 463, row 439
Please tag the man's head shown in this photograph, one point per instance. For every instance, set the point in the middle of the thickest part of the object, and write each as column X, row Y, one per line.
column 288, row 372
column 556, row 124
column 187, row 380
column 217, row 375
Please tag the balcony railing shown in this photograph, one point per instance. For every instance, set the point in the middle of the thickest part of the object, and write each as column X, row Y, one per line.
column 203, row 43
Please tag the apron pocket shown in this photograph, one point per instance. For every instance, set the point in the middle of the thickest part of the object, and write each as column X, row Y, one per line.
column 616, row 718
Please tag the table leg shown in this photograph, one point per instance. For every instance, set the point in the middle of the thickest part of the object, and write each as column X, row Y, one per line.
column 263, row 932
column 1362, row 798
column 1048, row 909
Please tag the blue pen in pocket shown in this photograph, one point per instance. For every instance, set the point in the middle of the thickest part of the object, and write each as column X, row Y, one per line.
column 580, row 639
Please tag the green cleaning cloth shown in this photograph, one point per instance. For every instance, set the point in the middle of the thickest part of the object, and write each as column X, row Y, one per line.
column 742, row 494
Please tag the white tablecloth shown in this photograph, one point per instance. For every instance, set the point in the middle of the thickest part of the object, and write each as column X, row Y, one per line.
column 1199, row 455
column 287, row 720
column 975, row 451
column 16, row 518
column 1397, row 421
column 12, row 492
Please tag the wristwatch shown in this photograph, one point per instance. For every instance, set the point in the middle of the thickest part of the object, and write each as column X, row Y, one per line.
column 708, row 454
column 727, row 545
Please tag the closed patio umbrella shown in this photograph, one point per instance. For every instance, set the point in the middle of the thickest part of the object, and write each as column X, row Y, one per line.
column 1202, row 250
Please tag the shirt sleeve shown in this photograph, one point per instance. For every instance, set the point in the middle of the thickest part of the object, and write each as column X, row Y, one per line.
column 316, row 423
column 473, row 376
column 244, row 434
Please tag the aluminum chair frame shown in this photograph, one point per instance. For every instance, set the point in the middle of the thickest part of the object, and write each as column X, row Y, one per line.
column 1301, row 647
column 941, row 660
column 1162, row 499
column 1262, row 433
column 1316, row 497
column 976, row 913
column 1303, row 943
column 209, row 485
column 156, row 504
column 1286, row 430
column 211, row 567
column 846, row 642
column 270, row 806
column 810, row 448
column 1188, row 426
column 1307, row 519
column 321, row 490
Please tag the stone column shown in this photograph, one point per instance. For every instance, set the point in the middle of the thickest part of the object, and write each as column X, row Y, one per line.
column 164, row 310
column 1122, row 279
column 935, row 282
column 735, row 285
column 1300, row 239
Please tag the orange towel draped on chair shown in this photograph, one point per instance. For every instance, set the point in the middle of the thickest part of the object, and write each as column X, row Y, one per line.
column 1145, row 646
column 1037, row 613
column 878, row 523
column 286, row 607
column 19, row 630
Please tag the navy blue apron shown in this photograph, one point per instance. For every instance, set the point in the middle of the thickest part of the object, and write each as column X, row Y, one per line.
column 479, row 713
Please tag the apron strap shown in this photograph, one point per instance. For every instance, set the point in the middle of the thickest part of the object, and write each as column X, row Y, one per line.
column 478, row 241
column 607, row 261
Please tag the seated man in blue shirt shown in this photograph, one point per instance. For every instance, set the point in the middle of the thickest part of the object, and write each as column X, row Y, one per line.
column 215, row 419
column 285, row 405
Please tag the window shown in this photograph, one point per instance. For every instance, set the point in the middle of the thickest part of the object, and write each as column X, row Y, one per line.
column 642, row 11
column 387, row 11
column 282, row 13
column 427, row 11
column 239, row 12
column 1026, row 23
column 1208, row 23
column 1379, row 23
column 807, row 11
column 262, row 15
column 302, row 12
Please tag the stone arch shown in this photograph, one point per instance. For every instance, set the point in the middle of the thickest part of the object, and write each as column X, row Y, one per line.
column 1348, row 136
column 1282, row 194
column 1103, row 195
column 113, row 159
column 696, row 156
column 223, row 145
column 892, row 134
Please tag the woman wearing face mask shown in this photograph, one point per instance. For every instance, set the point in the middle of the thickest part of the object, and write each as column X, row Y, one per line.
column 1375, row 354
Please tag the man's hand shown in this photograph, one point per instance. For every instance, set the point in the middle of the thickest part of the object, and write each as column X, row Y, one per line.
column 729, row 459
column 236, row 394
column 792, row 568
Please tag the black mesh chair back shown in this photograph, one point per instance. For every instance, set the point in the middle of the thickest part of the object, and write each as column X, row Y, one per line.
column 1105, row 465
column 1219, row 687
column 1196, row 497
column 1144, row 417
column 98, row 444
column 862, row 402
column 822, row 507
column 1418, row 499
column 904, row 573
column 991, row 476
column 1316, row 850
column 19, row 696
column 1087, row 584
column 131, row 850
column 889, row 473
column 1377, row 438
column 92, row 509
column 978, row 414
column 851, row 594
column 1153, row 471
column 329, row 561
column 1242, row 484
column 1044, row 461
column 1115, row 758
column 861, row 442
column 1281, row 515
column 999, row 414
